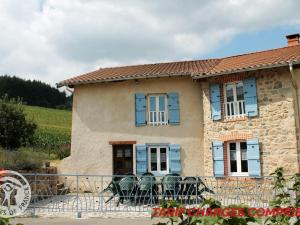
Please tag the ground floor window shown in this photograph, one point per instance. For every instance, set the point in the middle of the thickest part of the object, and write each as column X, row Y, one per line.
column 158, row 159
column 237, row 158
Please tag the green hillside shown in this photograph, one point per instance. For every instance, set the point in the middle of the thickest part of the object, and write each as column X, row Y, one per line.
column 53, row 134
column 50, row 119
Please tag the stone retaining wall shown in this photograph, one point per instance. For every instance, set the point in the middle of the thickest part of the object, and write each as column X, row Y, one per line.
column 43, row 185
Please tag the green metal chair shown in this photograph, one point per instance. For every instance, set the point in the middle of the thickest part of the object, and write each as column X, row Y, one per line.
column 201, row 188
column 189, row 189
column 171, row 186
column 127, row 188
column 146, row 189
column 189, row 186
column 113, row 187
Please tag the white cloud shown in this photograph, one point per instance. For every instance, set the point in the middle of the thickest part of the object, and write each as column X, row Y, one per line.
column 52, row 40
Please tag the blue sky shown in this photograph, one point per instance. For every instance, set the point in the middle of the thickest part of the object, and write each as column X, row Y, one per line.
column 51, row 40
column 255, row 41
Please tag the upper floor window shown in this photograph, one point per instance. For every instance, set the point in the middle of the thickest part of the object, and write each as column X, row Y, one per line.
column 157, row 110
column 240, row 100
column 237, row 160
column 234, row 103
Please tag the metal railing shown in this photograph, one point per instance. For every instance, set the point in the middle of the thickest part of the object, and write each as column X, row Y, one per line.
column 94, row 193
column 158, row 118
column 234, row 109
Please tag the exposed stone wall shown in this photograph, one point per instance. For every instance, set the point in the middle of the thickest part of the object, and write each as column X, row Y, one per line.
column 274, row 126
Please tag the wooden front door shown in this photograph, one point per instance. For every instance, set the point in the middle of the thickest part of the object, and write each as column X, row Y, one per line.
column 123, row 159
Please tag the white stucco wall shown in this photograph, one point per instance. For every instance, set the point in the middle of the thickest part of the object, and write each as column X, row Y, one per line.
column 105, row 112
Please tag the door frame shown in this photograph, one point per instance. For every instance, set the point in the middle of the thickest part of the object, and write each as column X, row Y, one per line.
column 114, row 147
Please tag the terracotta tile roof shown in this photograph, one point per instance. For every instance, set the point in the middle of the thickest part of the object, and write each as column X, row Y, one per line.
column 257, row 60
column 143, row 71
column 196, row 69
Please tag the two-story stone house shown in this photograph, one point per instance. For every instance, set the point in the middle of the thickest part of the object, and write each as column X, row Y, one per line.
column 233, row 116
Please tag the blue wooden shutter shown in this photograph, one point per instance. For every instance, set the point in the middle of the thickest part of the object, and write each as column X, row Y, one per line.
column 140, row 109
column 217, row 150
column 253, row 157
column 141, row 159
column 174, row 158
column 250, row 97
column 174, row 115
column 215, row 101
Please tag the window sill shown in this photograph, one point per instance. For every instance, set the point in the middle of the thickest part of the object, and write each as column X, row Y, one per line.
column 238, row 174
column 239, row 178
column 157, row 124
column 159, row 173
column 235, row 118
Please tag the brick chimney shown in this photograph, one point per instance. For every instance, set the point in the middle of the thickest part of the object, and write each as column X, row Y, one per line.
column 292, row 39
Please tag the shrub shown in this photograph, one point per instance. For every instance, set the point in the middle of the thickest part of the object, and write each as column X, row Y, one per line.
column 15, row 130
column 5, row 221
column 24, row 159
column 286, row 190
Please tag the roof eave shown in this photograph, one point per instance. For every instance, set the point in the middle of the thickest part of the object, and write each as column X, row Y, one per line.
column 61, row 84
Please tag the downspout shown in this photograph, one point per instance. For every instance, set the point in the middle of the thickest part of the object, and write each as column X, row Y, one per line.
column 296, row 88
column 297, row 102
column 293, row 76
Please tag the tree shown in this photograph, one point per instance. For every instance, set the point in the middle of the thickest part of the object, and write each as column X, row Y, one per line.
column 33, row 92
column 15, row 130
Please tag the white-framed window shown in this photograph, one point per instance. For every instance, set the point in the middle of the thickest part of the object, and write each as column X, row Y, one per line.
column 237, row 158
column 234, row 102
column 158, row 159
column 157, row 109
